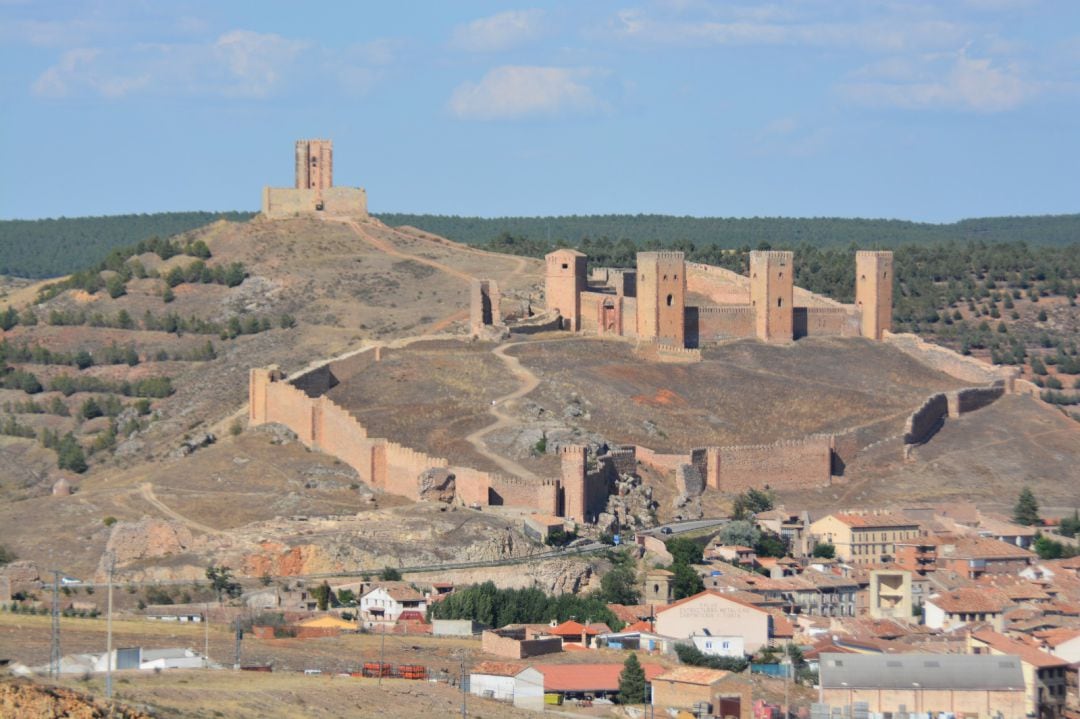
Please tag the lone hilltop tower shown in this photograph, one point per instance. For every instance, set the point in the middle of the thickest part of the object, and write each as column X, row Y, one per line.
column 314, row 192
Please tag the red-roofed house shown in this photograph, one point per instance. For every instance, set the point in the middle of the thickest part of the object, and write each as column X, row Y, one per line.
column 713, row 613
column 952, row 610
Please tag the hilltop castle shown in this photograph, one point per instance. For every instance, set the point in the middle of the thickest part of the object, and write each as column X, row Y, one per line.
column 314, row 191
column 677, row 304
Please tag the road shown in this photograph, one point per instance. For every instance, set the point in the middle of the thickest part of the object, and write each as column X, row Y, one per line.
column 684, row 527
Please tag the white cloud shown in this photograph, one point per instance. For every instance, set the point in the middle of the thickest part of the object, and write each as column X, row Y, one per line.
column 499, row 32
column 772, row 26
column 240, row 63
column 513, row 91
column 956, row 81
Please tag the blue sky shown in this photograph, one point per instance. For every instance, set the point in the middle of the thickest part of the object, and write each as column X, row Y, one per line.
column 863, row 108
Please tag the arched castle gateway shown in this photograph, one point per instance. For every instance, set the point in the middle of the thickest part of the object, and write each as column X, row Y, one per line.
column 679, row 304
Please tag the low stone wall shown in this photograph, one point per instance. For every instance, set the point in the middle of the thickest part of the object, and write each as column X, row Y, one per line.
column 973, row 398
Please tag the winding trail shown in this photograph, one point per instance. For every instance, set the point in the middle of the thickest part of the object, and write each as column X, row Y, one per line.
column 147, row 491
column 529, row 382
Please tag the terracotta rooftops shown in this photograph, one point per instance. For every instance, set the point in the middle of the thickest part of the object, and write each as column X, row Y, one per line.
column 882, row 519
column 723, row 595
column 1026, row 652
column 970, row 600
column 589, row 677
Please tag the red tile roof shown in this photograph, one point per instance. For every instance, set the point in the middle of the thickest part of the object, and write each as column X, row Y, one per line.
column 1027, row 653
column 861, row 521
column 701, row 676
column 723, row 595
column 970, row 600
column 588, row 677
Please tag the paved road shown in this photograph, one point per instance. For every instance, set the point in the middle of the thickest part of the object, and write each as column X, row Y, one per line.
column 687, row 526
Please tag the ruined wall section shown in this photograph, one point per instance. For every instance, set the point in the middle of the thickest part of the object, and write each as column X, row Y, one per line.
column 720, row 285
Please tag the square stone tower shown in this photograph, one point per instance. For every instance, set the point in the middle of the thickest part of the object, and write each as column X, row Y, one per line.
column 874, row 291
column 661, row 297
column 772, row 289
column 314, row 164
column 564, row 282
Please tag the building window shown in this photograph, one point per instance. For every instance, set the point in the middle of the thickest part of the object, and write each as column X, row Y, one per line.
column 669, row 298
column 779, row 301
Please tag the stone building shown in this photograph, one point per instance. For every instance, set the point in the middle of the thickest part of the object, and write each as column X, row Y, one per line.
column 674, row 304
column 314, row 191
column 864, row 537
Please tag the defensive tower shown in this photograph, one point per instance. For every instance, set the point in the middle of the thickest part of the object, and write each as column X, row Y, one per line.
column 874, row 291
column 563, row 284
column 772, row 294
column 661, row 297
column 314, row 164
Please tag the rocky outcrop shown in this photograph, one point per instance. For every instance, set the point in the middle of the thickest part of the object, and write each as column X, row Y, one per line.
column 23, row 699
column 147, row 538
column 437, row 485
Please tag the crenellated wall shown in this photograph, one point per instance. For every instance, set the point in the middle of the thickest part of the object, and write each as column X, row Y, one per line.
column 717, row 323
column 796, row 464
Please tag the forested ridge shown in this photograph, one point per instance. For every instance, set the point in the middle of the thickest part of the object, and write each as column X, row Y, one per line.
column 59, row 246
column 51, row 247
column 731, row 232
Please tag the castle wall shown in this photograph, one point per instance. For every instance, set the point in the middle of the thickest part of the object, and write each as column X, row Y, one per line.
column 927, row 419
column 952, row 363
column 825, row 321
column 797, row 464
column 720, row 285
column 484, row 305
column 717, row 323
column 973, row 398
column 573, row 482
column 278, row 202
column 541, row 495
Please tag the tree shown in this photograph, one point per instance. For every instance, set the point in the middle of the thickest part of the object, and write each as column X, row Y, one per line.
column 6, row 555
column 389, row 574
column 632, row 682
column 771, row 544
column 750, row 502
column 1026, row 511
column 824, row 550
column 221, row 581
column 690, row 654
column 740, row 533
column 684, row 551
column 1070, row 526
column 620, row 586
column 686, row 582
column 323, row 596
column 1047, row 548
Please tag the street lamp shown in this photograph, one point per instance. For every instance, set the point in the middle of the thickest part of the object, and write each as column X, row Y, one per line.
column 916, row 685
column 788, row 665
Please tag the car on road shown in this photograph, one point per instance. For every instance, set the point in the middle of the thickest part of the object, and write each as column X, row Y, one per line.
column 69, row 580
column 665, row 530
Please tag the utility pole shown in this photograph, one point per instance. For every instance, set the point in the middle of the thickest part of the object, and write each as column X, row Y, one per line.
column 464, row 689
column 206, row 635
column 382, row 652
column 108, row 633
column 54, row 656
column 239, row 636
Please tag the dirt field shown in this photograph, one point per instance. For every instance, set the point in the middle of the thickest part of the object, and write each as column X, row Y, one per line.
column 429, row 396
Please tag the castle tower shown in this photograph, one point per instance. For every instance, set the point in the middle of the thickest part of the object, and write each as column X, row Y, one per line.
column 573, row 482
column 563, row 285
column 484, row 301
column 661, row 297
column 772, row 287
column 314, row 164
column 874, row 291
